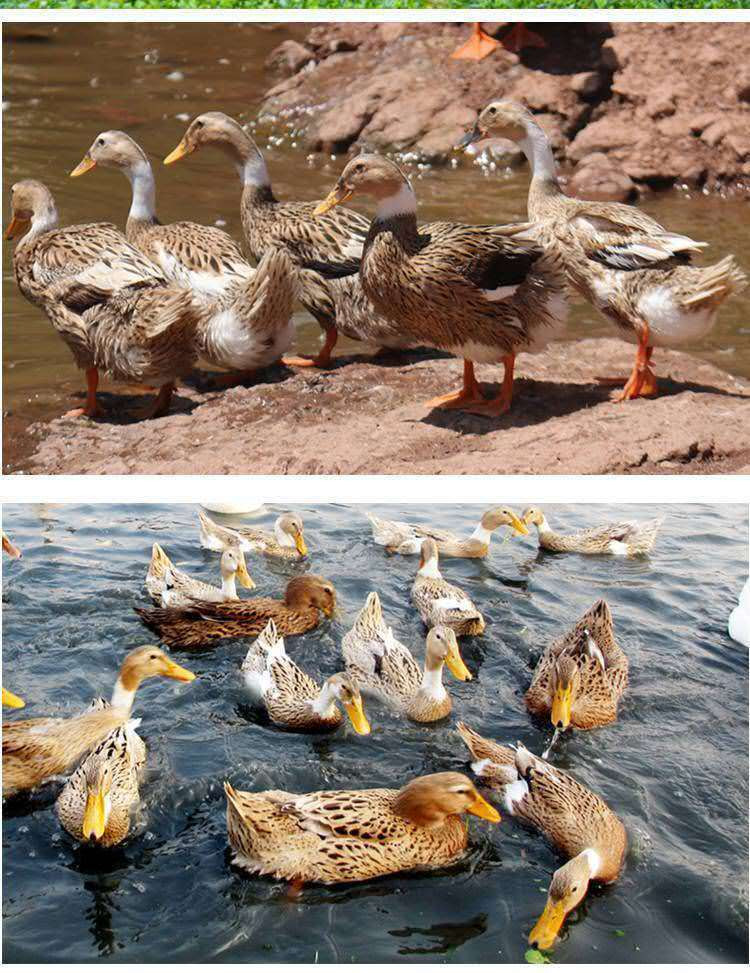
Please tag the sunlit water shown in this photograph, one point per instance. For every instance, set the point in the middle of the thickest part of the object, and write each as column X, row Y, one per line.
column 65, row 83
column 674, row 766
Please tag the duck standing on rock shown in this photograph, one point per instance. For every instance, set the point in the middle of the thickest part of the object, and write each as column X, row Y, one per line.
column 438, row 601
column 247, row 324
column 634, row 271
column 577, row 822
column 113, row 307
column 483, row 293
column 326, row 252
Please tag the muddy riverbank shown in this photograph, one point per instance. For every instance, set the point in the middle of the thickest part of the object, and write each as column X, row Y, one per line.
column 369, row 416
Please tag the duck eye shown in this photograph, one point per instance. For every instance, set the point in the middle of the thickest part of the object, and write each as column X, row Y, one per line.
column 493, row 111
column 199, row 124
column 100, row 141
column 153, row 657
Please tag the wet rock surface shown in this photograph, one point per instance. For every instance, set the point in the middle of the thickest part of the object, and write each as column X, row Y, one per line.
column 663, row 103
column 367, row 415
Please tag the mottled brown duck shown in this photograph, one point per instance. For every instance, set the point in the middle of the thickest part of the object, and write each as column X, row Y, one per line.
column 438, row 601
column 624, row 539
column 205, row 623
column 247, row 324
column 634, row 271
column 574, row 819
column 482, row 293
column 37, row 749
column 582, row 676
column 326, row 252
column 401, row 538
column 351, row 836
column 113, row 307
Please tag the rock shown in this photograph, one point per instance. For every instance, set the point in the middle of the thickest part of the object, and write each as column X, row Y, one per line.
column 739, row 143
column 587, row 83
column 603, row 135
column 337, row 129
column 715, row 132
column 290, row 56
column 392, row 32
column 598, row 178
column 661, row 105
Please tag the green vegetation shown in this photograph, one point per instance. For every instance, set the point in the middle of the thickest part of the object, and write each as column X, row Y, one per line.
column 392, row 4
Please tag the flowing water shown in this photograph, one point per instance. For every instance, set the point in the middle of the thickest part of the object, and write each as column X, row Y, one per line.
column 674, row 766
column 65, row 83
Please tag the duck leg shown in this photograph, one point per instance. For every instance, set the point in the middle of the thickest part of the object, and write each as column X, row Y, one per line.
column 501, row 403
column 470, row 393
column 159, row 407
column 92, row 409
column 321, row 360
column 479, row 45
column 520, row 37
column 642, row 380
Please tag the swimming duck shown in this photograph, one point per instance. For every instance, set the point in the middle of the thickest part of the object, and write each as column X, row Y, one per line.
column 10, row 548
column 739, row 619
column 439, row 602
column 581, row 677
column 574, row 819
column 383, row 666
column 401, row 538
column 351, row 836
column 10, row 699
column 633, row 270
column 248, row 321
column 112, row 306
column 291, row 697
column 96, row 802
column 168, row 585
column 483, row 293
column 327, row 252
column 287, row 539
column 35, row 750
column 626, row 539
column 205, row 623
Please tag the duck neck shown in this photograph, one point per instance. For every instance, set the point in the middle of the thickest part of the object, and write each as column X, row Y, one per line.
column 430, row 569
column 481, row 534
column 282, row 538
column 543, row 527
column 535, row 146
column 143, row 202
column 325, row 702
column 592, row 861
column 398, row 212
column 124, row 694
column 229, row 586
column 41, row 222
column 432, row 681
column 251, row 169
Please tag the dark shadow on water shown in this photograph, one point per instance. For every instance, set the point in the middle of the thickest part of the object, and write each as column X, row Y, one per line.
column 447, row 936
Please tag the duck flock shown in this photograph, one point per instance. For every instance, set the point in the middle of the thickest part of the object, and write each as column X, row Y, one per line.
column 354, row 835
column 143, row 307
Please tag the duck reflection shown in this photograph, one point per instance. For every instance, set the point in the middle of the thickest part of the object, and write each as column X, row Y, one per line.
column 445, row 936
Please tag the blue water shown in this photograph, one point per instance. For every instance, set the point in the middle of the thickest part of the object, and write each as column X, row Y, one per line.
column 674, row 766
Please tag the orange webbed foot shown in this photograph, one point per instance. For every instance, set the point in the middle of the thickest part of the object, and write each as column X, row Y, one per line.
column 478, row 46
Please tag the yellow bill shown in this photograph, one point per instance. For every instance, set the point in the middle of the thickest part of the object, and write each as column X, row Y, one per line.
column 9, row 547
column 457, row 665
column 84, row 165
column 518, row 525
column 561, row 707
column 356, row 714
column 242, row 575
column 94, row 817
column 16, row 227
column 334, row 198
column 181, row 150
column 10, row 699
column 545, row 932
column 173, row 671
column 299, row 540
column 482, row 809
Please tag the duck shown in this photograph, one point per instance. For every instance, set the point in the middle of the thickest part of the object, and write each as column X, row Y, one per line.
column 95, row 804
column 205, row 623
column 629, row 538
column 400, row 538
column 482, row 293
column 11, row 700
column 580, row 825
column 439, row 602
column 581, row 677
column 326, row 252
column 241, row 508
column 169, row 586
column 36, row 750
column 635, row 272
column 739, row 619
column 292, row 698
column 10, row 548
column 287, row 540
column 248, row 324
column 112, row 306
column 381, row 665
column 353, row 835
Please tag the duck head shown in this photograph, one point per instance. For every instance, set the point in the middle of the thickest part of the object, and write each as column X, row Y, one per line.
column 430, row 800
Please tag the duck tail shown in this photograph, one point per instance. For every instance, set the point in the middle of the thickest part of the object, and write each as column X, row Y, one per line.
column 159, row 565
column 599, row 622
column 644, row 538
column 471, row 738
column 267, row 645
column 716, row 283
column 370, row 618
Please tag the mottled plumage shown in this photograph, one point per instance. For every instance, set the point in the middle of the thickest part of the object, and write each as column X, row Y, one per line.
column 628, row 538
column 400, row 538
column 286, row 540
column 168, row 585
column 439, row 602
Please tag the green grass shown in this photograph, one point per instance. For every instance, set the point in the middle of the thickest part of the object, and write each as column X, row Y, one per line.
column 393, row 4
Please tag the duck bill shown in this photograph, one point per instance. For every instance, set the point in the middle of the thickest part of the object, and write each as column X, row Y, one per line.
column 457, row 666
column 243, row 577
column 475, row 135
column 173, row 671
column 482, row 809
column 546, row 930
column 16, row 227
column 299, row 541
column 181, row 150
column 356, row 714
column 561, row 705
column 10, row 699
column 518, row 525
column 336, row 196
column 84, row 165
column 94, row 817
column 10, row 548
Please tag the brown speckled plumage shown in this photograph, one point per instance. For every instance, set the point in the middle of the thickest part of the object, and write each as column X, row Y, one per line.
column 401, row 538
column 441, row 603
column 216, row 537
column 629, row 537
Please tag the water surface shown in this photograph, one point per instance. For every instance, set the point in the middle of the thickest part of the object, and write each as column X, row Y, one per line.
column 674, row 766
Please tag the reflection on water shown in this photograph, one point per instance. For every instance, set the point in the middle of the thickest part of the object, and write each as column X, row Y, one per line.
column 674, row 766
column 70, row 81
